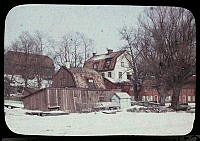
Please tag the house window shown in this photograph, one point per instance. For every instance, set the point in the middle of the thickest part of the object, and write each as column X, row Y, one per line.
column 150, row 98
column 156, row 98
column 122, row 64
column 131, row 88
column 132, row 98
column 189, row 98
column 184, row 99
column 193, row 98
column 62, row 82
column 143, row 98
column 179, row 98
column 108, row 63
column 101, row 99
column 120, row 75
column 90, row 83
column 109, row 74
column 95, row 66
column 147, row 98
column 103, row 74
column 18, row 68
column 129, row 64
column 168, row 98
column 128, row 75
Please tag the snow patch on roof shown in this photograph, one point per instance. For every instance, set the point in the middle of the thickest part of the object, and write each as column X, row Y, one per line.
column 122, row 95
column 99, row 57
column 117, row 80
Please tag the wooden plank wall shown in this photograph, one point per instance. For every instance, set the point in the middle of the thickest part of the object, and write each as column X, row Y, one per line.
column 69, row 99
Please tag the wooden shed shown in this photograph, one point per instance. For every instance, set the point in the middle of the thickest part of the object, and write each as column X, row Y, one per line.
column 66, row 99
column 122, row 98
column 78, row 78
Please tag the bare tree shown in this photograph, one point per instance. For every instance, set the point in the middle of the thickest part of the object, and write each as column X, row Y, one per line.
column 32, row 47
column 63, row 53
column 74, row 48
column 87, row 44
column 135, row 61
column 168, row 38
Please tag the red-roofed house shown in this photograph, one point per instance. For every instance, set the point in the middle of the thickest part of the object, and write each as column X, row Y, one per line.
column 113, row 65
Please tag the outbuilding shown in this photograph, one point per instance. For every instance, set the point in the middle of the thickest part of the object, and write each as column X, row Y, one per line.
column 78, row 78
column 122, row 98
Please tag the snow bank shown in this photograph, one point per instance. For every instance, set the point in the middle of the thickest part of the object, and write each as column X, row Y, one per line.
column 121, row 123
column 14, row 103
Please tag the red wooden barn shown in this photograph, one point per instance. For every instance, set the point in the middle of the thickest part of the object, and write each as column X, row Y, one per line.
column 78, row 78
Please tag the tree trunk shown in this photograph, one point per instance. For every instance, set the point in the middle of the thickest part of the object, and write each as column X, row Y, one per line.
column 26, row 83
column 138, row 96
column 39, row 82
column 175, row 98
column 162, row 93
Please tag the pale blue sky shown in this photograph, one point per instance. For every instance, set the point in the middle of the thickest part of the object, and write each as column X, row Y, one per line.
column 97, row 22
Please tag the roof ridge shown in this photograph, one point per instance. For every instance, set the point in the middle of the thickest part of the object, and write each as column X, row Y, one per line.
column 110, row 53
column 28, row 53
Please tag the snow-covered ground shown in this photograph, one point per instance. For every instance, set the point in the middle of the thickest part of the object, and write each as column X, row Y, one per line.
column 14, row 103
column 121, row 123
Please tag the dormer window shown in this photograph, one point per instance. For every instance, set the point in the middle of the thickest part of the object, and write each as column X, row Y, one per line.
column 107, row 63
column 128, row 75
column 122, row 64
column 90, row 82
column 95, row 66
column 109, row 74
column 62, row 82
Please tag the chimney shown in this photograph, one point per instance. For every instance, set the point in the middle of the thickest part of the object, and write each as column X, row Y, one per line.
column 109, row 51
column 67, row 65
column 94, row 54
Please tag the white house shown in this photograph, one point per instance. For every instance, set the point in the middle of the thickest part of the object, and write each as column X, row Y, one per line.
column 115, row 65
column 121, row 98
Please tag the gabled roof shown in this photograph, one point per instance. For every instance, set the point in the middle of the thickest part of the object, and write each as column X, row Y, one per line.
column 100, row 60
column 79, row 75
column 20, row 58
column 82, row 70
column 122, row 95
column 30, row 90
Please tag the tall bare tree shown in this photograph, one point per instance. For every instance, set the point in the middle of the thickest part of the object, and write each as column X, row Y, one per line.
column 30, row 44
column 138, row 76
column 167, row 38
column 74, row 48
column 87, row 45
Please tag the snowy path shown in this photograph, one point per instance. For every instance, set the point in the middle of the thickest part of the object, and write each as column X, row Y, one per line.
column 122, row 123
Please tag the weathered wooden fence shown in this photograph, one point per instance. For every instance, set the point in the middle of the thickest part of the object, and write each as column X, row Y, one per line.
column 66, row 99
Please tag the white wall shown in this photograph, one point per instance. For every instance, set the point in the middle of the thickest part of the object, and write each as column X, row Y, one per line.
column 125, row 103
column 114, row 98
column 118, row 68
